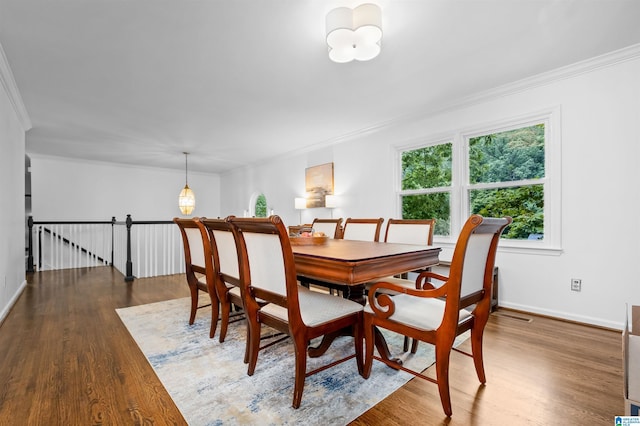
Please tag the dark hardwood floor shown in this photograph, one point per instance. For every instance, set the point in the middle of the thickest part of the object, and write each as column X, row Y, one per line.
column 67, row 359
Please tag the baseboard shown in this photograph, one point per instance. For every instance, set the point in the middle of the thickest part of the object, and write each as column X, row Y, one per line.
column 14, row 299
column 564, row 316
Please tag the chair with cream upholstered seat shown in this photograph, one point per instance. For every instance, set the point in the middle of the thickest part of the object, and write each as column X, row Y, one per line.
column 410, row 231
column 198, row 268
column 225, row 262
column 362, row 229
column 267, row 272
column 407, row 231
column 330, row 227
column 438, row 315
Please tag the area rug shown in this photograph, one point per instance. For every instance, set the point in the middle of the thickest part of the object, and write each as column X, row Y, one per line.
column 209, row 383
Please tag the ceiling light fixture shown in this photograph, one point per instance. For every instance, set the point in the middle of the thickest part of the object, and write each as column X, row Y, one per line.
column 186, row 199
column 354, row 33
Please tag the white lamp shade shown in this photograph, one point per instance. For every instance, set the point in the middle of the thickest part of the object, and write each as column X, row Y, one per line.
column 330, row 201
column 354, row 33
column 300, row 203
column 186, row 200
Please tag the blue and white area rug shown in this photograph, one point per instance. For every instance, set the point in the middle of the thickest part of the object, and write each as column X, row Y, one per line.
column 209, row 383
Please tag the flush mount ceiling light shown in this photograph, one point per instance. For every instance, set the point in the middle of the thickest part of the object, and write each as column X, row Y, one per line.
column 354, row 33
column 186, row 199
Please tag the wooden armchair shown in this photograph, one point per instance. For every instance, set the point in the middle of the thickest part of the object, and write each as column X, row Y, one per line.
column 406, row 231
column 362, row 229
column 267, row 272
column 331, row 227
column 198, row 268
column 438, row 315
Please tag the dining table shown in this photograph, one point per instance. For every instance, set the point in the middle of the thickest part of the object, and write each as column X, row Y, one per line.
column 350, row 264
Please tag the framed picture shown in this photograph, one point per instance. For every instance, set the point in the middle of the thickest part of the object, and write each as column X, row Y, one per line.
column 318, row 183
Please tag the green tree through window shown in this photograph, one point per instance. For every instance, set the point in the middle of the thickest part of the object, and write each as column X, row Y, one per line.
column 426, row 185
column 505, row 158
column 261, row 206
column 506, row 177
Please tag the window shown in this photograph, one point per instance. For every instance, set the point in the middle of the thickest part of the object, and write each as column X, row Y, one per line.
column 506, row 178
column 261, row 206
column 503, row 169
column 426, row 185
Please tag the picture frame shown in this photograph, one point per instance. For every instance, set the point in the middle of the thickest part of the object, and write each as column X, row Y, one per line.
column 318, row 184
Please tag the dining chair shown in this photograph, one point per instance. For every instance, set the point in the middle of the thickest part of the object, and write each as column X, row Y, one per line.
column 362, row 229
column 410, row 231
column 267, row 272
column 405, row 231
column 198, row 268
column 227, row 273
column 437, row 315
column 333, row 229
column 330, row 227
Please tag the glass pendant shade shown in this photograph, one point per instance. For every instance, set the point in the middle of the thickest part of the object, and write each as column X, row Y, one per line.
column 186, row 200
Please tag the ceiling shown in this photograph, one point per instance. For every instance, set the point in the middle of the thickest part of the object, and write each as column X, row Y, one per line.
column 238, row 82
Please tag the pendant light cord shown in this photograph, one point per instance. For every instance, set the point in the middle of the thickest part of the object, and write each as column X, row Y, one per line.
column 186, row 181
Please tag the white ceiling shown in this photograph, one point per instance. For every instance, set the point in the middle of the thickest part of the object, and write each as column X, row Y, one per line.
column 237, row 82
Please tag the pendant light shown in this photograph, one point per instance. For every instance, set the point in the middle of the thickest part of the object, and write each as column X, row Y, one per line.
column 186, row 199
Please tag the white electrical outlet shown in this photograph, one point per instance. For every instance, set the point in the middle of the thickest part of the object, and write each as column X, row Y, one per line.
column 576, row 284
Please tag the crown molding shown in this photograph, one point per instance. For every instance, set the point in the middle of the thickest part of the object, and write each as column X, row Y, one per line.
column 75, row 160
column 569, row 71
column 10, row 87
column 598, row 62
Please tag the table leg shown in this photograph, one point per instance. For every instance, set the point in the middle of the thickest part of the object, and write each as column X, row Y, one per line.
column 357, row 294
column 351, row 292
column 383, row 347
column 327, row 340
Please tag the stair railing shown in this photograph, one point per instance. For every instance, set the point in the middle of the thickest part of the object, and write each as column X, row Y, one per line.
column 135, row 248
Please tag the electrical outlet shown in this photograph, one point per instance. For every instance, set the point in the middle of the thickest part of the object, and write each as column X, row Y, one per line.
column 576, row 284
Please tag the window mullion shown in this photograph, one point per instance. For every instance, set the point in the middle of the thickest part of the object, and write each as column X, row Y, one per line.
column 506, row 184
column 461, row 179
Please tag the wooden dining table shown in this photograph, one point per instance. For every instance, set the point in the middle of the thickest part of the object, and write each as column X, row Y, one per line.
column 350, row 264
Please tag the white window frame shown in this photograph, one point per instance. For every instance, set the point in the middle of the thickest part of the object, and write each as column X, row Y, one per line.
column 460, row 186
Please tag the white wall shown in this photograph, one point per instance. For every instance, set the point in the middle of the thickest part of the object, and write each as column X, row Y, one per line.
column 600, row 113
column 12, row 191
column 67, row 189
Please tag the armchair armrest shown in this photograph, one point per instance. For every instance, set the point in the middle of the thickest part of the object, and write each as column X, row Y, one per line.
column 423, row 282
column 382, row 304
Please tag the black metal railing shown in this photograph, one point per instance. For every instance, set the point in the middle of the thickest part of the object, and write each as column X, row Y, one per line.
column 135, row 248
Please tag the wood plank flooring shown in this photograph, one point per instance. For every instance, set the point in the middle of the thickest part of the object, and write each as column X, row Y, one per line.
column 66, row 359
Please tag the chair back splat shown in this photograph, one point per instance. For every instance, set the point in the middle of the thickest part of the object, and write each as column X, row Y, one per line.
column 362, row 229
column 410, row 231
column 331, row 227
column 227, row 272
column 406, row 231
column 268, row 273
column 199, row 269
column 437, row 314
